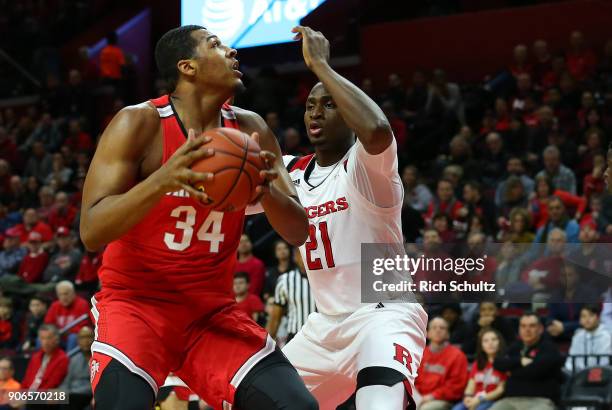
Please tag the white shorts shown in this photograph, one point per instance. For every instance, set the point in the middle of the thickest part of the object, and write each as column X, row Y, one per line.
column 329, row 351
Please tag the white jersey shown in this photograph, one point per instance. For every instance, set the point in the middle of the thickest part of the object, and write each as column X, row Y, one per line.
column 358, row 200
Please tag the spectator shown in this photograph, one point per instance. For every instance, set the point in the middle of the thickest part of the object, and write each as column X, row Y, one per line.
column 48, row 366
column 87, row 277
column 112, row 60
column 250, row 264
column 593, row 182
column 46, row 199
column 8, row 148
column 562, row 177
column 293, row 142
column 416, row 194
column 284, row 263
column 8, row 219
column 40, row 163
column 63, row 213
column 31, row 223
column 78, row 140
column 543, row 275
column 46, row 132
column 444, row 226
column 12, row 254
column 451, row 312
column 9, row 326
column 37, row 308
column 566, row 301
column 557, row 218
column 514, row 168
column 520, row 64
column 30, row 196
column 77, row 382
column 493, row 160
column 444, row 202
column 69, row 313
column 535, row 369
column 442, row 375
column 7, row 382
column 509, row 267
column 64, row 264
column 17, row 193
column 581, row 62
column 249, row 303
column 60, row 173
column 545, row 191
column 475, row 203
column 445, row 98
column 485, row 383
column 488, row 318
column 513, row 197
column 590, row 339
column 520, row 221
column 543, row 60
column 35, row 261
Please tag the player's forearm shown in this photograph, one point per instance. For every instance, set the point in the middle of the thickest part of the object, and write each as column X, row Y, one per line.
column 113, row 216
column 359, row 111
column 286, row 215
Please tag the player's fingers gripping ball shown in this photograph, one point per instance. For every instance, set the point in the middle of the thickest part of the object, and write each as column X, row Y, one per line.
column 236, row 166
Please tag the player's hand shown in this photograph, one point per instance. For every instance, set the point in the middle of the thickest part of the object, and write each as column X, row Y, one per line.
column 268, row 174
column 175, row 174
column 315, row 46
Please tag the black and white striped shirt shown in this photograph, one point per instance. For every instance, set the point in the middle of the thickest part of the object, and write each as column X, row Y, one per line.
column 293, row 292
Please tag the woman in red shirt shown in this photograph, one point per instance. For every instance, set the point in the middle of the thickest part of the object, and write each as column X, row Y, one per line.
column 544, row 190
column 485, row 384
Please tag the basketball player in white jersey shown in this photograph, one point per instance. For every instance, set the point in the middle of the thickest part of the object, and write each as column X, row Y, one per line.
column 353, row 194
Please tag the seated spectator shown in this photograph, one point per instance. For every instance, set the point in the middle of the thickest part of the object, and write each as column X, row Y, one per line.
column 8, row 219
column 518, row 230
column 443, row 373
column 46, row 132
column 433, row 248
column 444, row 98
column 566, row 301
column 520, row 64
column 416, row 194
column 476, row 248
column 492, row 161
column 9, row 326
column 63, row 213
column 35, row 261
column 545, row 191
column 250, row 264
column 249, row 303
column 46, row 202
column 444, row 202
column 30, row 196
column 59, row 172
column 78, row 140
column 37, row 310
column 40, row 162
column 77, row 382
column 581, row 61
column 12, row 254
column 48, row 366
column 487, row 318
column 284, row 263
column 451, row 312
column 69, row 313
column 562, row 177
column 7, row 382
column 534, row 365
column 589, row 340
column 31, row 223
column 543, row 275
column 63, row 264
column 509, row 266
column 513, row 197
column 592, row 148
column 87, row 276
column 444, row 226
column 474, row 203
column 460, row 155
column 558, row 219
column 485, row 384
column 543, row 60
column 8, row 148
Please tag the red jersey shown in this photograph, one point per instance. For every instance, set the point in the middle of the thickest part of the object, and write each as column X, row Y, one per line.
column 179, row 246
column 487, row 379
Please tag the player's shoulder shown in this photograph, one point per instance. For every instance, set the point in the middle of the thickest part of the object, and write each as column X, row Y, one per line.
column 247, row 117
column 297, row 163
column 144, row 116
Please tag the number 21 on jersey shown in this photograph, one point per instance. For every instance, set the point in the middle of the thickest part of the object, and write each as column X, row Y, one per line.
column 315, row 263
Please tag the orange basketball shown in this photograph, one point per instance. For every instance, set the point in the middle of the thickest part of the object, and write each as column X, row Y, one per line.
column 236, row 165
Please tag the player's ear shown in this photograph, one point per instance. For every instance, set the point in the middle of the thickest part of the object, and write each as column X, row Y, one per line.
column 186, row 67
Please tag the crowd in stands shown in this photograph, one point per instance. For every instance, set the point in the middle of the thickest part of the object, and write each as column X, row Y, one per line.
column 496, row 168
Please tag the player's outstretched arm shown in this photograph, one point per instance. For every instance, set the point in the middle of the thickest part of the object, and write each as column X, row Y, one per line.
column 360, row 113
column 279, row 200
column 114, row 197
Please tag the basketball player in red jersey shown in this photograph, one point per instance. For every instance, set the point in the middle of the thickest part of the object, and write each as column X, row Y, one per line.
column 166, row 303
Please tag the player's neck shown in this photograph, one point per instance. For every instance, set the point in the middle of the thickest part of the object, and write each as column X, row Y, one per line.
column 196, row 110
column 325, row 158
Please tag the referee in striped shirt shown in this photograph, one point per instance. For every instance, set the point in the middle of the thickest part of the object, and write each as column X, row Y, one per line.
column 293, row 297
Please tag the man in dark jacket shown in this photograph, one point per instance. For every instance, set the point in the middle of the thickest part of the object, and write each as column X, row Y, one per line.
column 534, row 365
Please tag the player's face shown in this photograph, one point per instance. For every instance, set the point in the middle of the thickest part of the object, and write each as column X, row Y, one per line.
column 215, row 63
column 324, row 124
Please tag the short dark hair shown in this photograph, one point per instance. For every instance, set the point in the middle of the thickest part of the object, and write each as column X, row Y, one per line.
column 41, row 299
column 177, row 44
column 242, row 275
column 594, row 308
column 530, row 313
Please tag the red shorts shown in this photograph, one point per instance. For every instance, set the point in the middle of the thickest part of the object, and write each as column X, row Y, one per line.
column 210, row 347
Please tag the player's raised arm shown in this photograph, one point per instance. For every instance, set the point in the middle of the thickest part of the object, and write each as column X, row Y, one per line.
column 280, row 200
column 360, row 113
column 115, row 197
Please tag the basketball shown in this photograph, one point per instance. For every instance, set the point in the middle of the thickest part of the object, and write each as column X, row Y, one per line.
column 236, row 165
